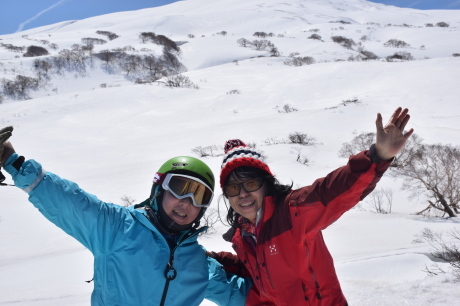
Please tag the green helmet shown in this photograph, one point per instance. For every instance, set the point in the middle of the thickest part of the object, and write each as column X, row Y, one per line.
column 185, row 165
column 191, row 166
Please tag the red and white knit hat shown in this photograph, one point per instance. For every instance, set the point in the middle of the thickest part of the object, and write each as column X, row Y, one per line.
column 238, row 154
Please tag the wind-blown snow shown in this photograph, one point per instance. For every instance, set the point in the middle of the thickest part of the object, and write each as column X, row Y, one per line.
column 112, row 140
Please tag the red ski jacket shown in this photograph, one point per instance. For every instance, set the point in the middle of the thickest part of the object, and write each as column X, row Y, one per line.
column 290, row 264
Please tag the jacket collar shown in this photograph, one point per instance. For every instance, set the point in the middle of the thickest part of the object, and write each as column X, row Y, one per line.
column 264, row 214
column 140, row 215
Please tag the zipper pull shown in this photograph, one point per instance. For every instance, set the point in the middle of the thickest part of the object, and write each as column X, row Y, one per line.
column 170, row 272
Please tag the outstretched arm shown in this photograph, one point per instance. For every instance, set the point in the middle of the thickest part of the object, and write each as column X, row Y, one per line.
column 344, row 187
column 391, row 138
column 78, row 213
column 225, row 288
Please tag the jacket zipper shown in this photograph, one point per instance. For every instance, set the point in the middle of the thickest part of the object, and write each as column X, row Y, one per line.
column 257, row 269
column 268, row 271
column 313, row 275
column 171, row 273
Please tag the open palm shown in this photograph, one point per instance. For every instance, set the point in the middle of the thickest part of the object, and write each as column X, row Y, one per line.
column 391, row 137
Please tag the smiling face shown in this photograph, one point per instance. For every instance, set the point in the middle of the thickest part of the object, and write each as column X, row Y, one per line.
column 246, row 203
column 180, row 211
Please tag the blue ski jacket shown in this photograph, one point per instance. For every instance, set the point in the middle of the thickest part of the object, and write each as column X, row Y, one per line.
column 133, row 264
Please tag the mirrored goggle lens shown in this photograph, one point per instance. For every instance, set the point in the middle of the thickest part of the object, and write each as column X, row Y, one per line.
column 182, row 186
column 232, row 190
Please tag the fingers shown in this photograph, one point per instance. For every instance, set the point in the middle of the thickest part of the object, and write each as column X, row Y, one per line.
column 5, row 133
column 5, row 151
column 400, row 119
column 4, row 137
column 404, row 122
column 378, row 122
column 408, row 134
column 395, row 116
column 7, row 144
column 6, row 129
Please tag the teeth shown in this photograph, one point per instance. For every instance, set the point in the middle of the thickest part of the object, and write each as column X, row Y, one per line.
column 247, row 204
column 180, row 214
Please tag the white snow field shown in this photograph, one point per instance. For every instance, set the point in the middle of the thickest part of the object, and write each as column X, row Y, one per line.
column 112, row 140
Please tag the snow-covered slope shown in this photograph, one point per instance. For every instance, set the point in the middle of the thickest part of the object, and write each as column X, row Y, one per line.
column 111, row 140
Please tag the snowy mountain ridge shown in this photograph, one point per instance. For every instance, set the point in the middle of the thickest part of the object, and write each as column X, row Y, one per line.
column 97, row 127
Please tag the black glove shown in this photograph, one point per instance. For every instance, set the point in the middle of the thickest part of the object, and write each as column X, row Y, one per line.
column 5, row 134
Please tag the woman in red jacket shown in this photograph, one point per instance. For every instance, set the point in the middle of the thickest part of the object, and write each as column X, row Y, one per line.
column 276, row 231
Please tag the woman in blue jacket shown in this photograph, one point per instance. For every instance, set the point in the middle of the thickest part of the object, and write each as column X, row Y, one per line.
column 145, row 254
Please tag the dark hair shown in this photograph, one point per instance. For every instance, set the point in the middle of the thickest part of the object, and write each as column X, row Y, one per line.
column 273, row 186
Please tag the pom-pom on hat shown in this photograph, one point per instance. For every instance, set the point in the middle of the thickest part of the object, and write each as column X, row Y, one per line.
column 238, row 154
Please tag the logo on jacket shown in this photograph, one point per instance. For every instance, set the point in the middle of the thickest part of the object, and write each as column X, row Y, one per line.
column 272, row 249
column 157, row 178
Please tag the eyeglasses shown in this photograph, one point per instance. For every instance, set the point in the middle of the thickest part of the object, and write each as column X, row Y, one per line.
column 232, row 190
column 184, row 186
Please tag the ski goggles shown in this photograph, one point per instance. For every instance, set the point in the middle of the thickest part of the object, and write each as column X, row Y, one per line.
column 184, row 186
column 232, row 190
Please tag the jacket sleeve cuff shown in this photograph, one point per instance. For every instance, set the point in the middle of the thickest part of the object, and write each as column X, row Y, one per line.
column 382, row 165
column 8, row 166
column 29, row 174
column 375, row 159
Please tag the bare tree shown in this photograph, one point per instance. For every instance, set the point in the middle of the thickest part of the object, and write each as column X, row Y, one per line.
column 302, row 138
column 433, row 171
column 127, row 201
column 243, row 42
column 388, row 194
column 110, row 35
column 20, row 87
column 396, row 43
column 42, row 67
column 93, row 41
column 180, row 80
column 300, row 158
column 262, row 44
column 444, row 251
column 286, row 108
column 360, row 143
column 315, row 36
column 299, row 61
column 154, row 67
column 211, row 216
column 400, row 56
column 131, row 64
column 35, row 51
column 260, row 34
column 172, row 62
column 411, row 148
column 442, row 24
column 382, row 200
column 72, row 60
column 108, row 57
column 343, row 41
column 212, row 150
column 376, row 198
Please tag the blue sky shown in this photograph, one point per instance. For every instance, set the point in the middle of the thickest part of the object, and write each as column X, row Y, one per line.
column 16, row 15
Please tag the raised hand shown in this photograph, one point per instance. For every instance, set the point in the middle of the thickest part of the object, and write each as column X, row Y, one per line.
column 391, row 137
column 5, row 133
